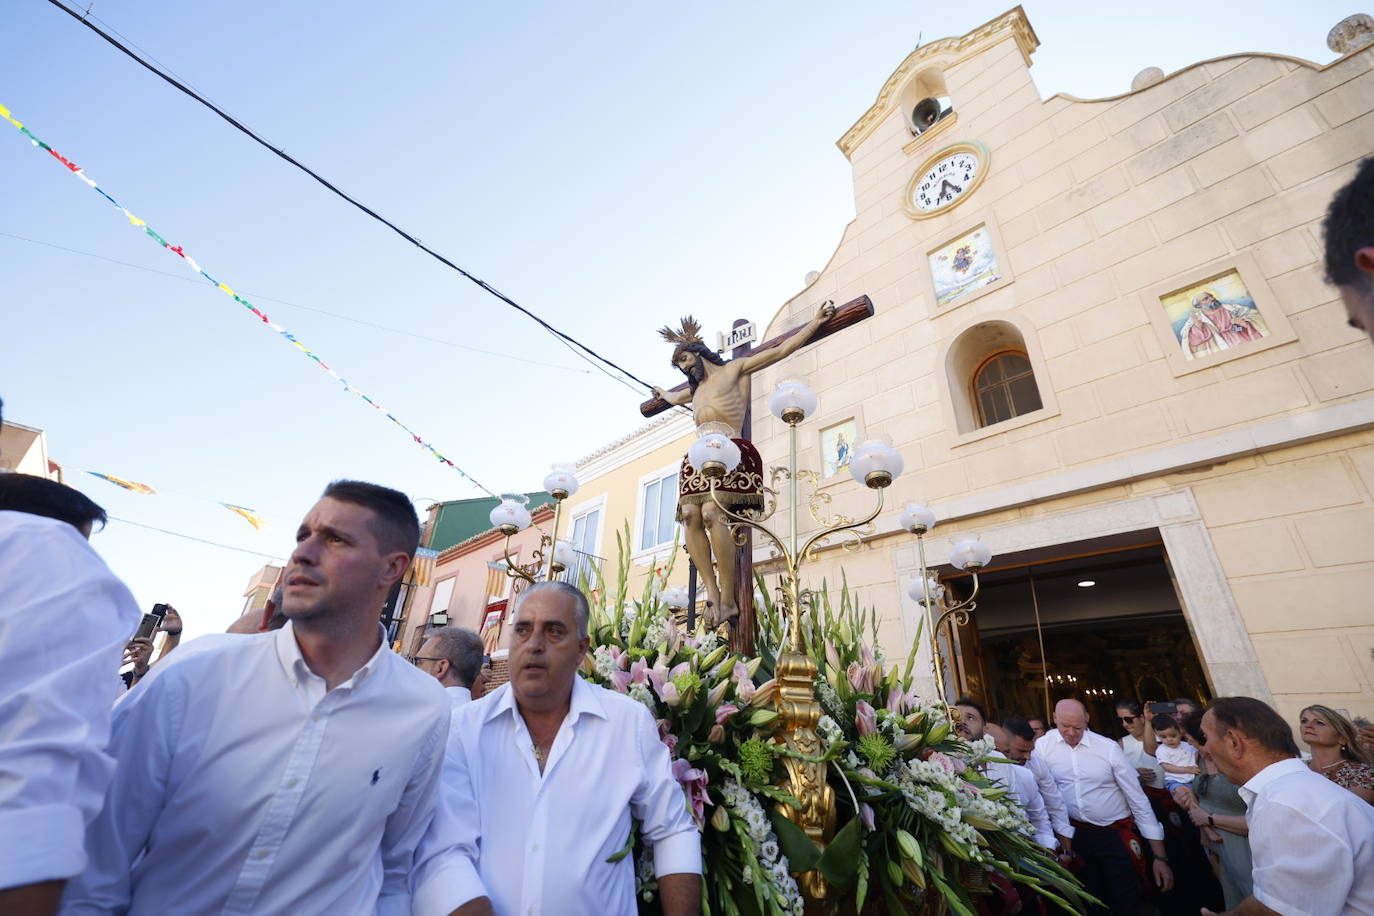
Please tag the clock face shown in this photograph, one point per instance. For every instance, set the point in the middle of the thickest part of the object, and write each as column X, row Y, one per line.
column 948, row 179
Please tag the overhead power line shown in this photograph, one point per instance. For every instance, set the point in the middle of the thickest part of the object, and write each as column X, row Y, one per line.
column 297, row 305
column 180, row 86
column 178, row 534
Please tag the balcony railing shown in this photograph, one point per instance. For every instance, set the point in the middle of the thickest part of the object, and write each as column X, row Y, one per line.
column 586, row 564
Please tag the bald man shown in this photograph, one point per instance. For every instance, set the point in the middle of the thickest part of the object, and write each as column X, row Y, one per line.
column 1106, row 808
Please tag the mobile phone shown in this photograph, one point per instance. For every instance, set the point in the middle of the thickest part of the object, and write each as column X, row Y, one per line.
column 1163, row 709
column 147, row 626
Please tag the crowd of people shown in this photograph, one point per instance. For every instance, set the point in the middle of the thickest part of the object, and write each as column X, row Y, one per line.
column 1156, row 820
column 295, row 764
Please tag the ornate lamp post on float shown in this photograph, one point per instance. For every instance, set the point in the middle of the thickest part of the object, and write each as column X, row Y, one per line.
column 511, row 516
column 875, row 465
column 970, row 555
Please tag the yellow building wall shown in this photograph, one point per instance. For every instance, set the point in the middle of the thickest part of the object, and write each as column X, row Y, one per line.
column 1097, row 208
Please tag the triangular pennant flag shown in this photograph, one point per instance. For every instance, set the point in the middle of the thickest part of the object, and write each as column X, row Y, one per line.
column 133, row 485
column 248, row 515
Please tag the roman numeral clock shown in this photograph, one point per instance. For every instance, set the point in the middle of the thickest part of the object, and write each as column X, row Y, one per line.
column 946, row 179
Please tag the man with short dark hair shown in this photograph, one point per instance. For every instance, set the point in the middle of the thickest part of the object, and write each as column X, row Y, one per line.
column 1311, row 840
column 972, row 719
column 55, row 691
column 1020, row 749
column 312, row 798
column 1104, row 797
column 551, row 772
column 1349, row 232
column 1037, row 725
column 453, row 657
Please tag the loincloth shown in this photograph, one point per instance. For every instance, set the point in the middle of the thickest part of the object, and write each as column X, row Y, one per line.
column 741, row 488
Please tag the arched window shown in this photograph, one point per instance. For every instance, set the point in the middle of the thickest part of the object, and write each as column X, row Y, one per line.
column 1004, row 387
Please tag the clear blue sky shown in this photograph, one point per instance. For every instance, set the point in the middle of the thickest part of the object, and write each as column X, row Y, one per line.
column 610, row 166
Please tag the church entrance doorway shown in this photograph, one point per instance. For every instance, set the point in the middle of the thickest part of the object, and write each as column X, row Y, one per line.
column 1097, row 626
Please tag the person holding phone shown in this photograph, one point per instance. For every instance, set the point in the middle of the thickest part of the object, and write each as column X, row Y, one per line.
column 163, row 619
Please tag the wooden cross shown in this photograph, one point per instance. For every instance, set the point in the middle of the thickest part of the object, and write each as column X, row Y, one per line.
column 742, row 635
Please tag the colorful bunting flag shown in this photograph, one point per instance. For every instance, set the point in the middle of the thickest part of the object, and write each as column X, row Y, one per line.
column 248, row 516
column 126, row 484
column 422, row 567
column 191, row 263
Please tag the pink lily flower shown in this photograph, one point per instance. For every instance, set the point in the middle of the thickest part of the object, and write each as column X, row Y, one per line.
column 694, row 781
column 860, row 678
column 724, row 712
column 832, row 658
column 665, row 734
column 866, row 816
column 620, row 680
column 670, row 694
column 657, row 675
column 639, row 672
column 865, row 719
column 619, row 657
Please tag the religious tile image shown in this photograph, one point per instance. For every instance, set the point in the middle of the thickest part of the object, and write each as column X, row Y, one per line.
column 964, row 265
column 837, row 444
column 1215, row 315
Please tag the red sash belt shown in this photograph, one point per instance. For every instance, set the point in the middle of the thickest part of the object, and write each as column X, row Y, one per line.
column 1125, row 828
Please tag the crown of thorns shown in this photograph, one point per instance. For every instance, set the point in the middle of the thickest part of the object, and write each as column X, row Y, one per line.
column 689, row 333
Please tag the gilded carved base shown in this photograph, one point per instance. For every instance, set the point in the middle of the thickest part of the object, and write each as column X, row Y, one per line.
column 805, row 781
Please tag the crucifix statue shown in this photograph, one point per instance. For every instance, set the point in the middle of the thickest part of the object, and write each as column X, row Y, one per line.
column 718, row 391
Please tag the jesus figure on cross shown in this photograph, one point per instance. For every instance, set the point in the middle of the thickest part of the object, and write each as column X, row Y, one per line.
column 718, row 391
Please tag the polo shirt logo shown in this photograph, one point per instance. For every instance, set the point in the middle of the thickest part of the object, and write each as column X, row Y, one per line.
column 376, row 775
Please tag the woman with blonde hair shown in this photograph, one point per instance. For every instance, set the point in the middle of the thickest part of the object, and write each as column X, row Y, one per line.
column 1336, row 750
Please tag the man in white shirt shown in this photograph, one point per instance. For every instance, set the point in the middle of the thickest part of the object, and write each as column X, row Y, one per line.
column 1103, row 795
column 1311, row 840
column 64, row 619
column 311, row 796
column 1021, row 749
column 453, row 657
column 552, row 770
column 1021, row 782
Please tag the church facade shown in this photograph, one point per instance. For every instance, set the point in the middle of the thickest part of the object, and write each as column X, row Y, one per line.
column 1102, row 341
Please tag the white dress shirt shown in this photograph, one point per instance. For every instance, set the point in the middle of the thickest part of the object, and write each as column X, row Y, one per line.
column 1185, row 755
column 1021, row 782
column 1134, row 749
column 64, row 620
column 537, row 844
column 1054, row 799
column 1312, row 842
column 1098, row 785
column 242, row 786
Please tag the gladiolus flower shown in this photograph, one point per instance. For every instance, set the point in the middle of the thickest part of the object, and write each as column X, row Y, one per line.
column 724, row 712
column 865, row 719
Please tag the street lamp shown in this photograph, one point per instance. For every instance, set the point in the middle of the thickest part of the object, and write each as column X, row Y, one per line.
column 511, row 516
column 970, row 555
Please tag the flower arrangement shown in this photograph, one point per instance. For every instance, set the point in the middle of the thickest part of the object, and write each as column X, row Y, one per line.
column 916, row 815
